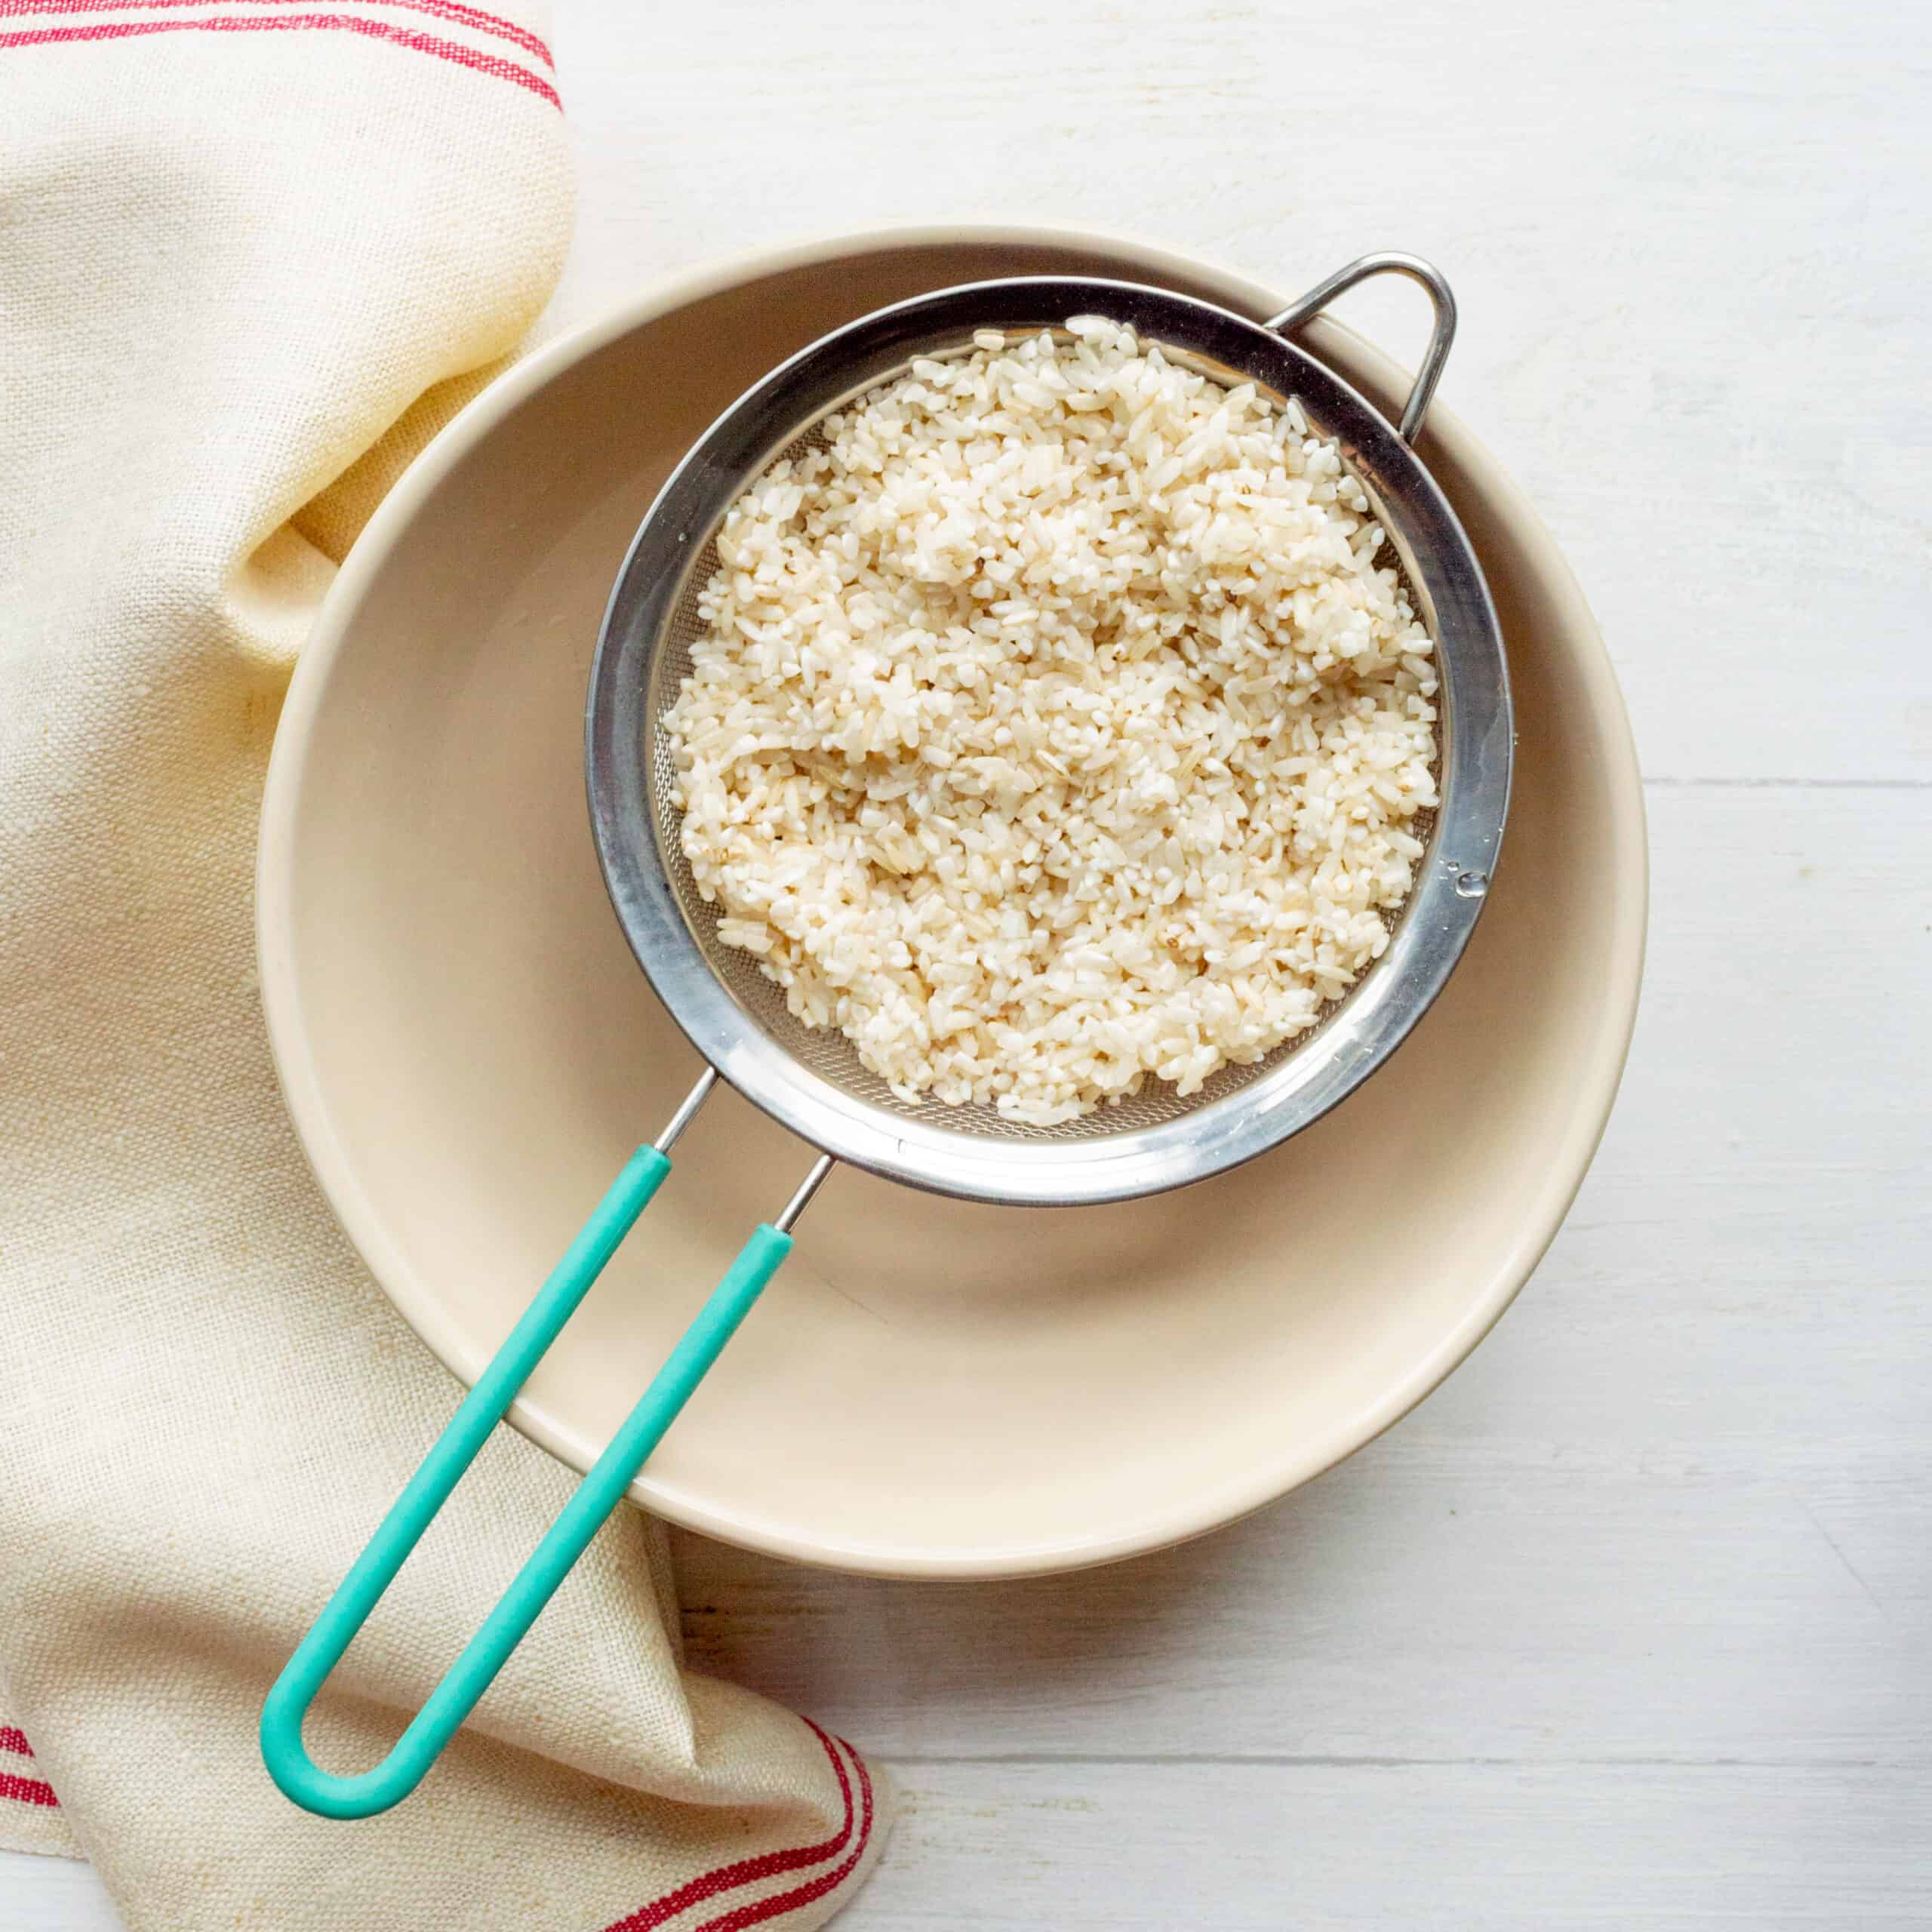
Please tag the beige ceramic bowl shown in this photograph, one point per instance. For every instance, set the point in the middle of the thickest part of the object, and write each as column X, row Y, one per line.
column 930, row 1387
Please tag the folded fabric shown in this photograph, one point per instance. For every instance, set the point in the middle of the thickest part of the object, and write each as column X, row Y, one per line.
column 255, row 251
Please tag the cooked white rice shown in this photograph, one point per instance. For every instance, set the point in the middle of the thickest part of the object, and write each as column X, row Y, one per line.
column 1055, row 727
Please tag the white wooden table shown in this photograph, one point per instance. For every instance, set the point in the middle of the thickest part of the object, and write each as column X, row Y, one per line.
column 1631, row 1626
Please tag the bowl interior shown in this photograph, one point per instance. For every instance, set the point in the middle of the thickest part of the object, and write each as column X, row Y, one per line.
column 931, row 1386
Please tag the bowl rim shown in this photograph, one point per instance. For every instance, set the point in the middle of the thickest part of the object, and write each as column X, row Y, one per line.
column 1254, row 1484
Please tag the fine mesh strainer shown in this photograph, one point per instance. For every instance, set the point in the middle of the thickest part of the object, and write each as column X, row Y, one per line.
column 811, row 1080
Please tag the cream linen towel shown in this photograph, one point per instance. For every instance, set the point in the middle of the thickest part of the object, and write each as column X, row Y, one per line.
column 238, row 241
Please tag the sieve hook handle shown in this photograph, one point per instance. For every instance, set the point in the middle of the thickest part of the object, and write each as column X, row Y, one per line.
column 1444, row 334
column 365, row 1793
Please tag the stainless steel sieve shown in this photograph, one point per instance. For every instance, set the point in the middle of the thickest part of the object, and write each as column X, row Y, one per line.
column 811, row 1080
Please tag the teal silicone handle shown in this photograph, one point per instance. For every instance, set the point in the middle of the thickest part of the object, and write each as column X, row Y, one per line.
column 368, row 1792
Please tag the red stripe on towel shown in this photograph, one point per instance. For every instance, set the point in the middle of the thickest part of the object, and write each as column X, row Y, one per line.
column 801, row 1895
column 454, row 11
column 421, row 43
column 768, row 1865
column 28, row 1791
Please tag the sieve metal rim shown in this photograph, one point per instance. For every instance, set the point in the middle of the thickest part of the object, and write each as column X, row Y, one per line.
column 1310, row 1077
